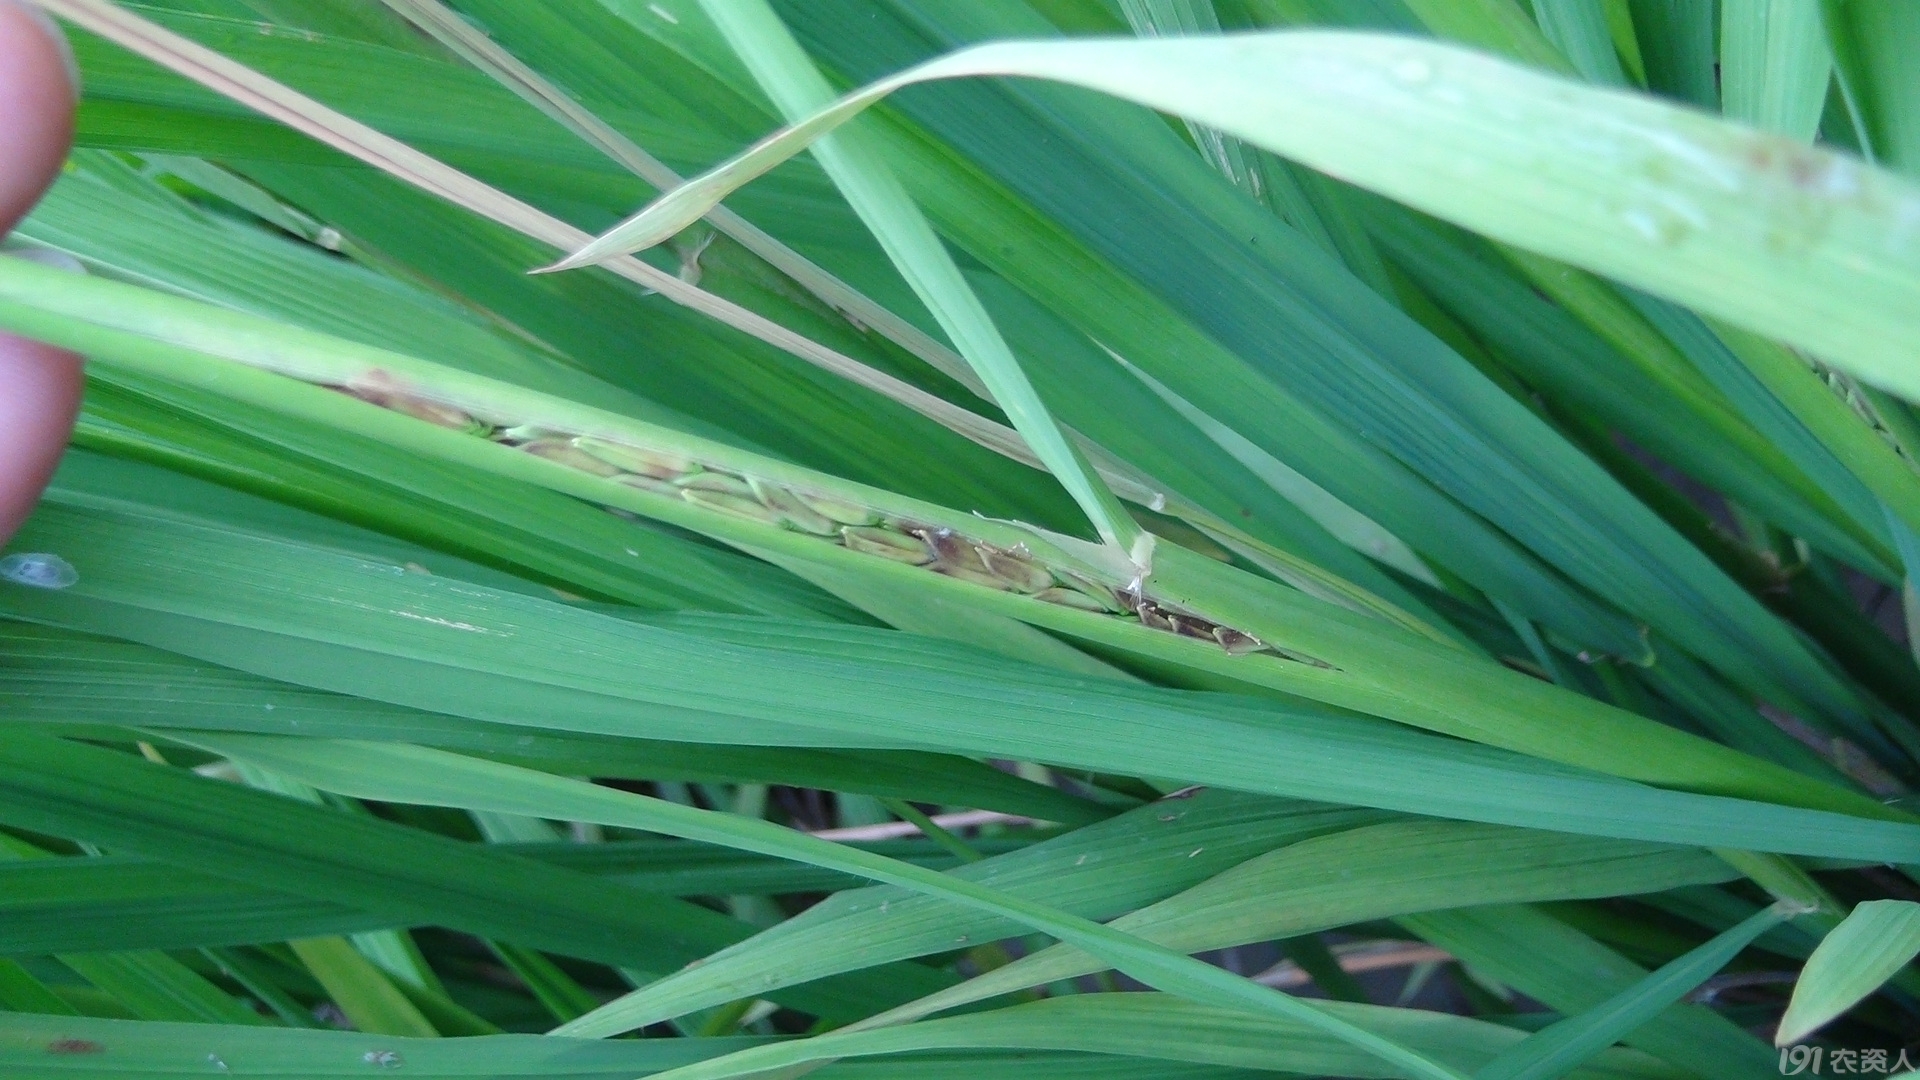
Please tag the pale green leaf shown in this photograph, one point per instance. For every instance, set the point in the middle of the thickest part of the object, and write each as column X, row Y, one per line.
column 1696, row 210
column 1556, row 1050
column 1865, row 950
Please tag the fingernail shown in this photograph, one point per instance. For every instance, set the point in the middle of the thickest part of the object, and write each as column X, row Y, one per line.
column 60, row 43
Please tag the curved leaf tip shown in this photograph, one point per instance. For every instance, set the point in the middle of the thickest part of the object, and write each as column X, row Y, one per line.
column 1869, row 947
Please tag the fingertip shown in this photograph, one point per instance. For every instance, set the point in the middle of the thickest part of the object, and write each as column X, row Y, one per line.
column 37, row 89
column 43, row 387
column 62, row 48
column 39, row 385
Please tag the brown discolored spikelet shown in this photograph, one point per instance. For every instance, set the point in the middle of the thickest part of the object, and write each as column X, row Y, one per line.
column 838, row 510
column 632, row 459
column 737, row 505
column 795, row 514
column 1021, row 575
column 718, row 483
column 887, row 544
column 1235, row 642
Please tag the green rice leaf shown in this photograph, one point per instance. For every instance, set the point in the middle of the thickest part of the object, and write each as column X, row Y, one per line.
column 859, row 170
column 1557, row 1049
column 1160, row 1027
column 1681, row 233
column 1511, row 391
column 1775, row 65
column 1173, row 845
column 396, row 774
column 1335, row 640
column 1579, row 29
column 155, row 986
column 192, row 589
column 58, row 787
column 364, row 993
column 1868, row 947
column 1677, row 46
column 125, row 902
column 136, row 1050
column 1523, row 947
column 1378, row 871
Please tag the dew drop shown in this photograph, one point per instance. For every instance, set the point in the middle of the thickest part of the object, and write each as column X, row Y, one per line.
column 382, row 1059
column 53, row 257
column 39, row 570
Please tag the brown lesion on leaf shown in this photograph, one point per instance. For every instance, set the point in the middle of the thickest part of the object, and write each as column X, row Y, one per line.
column 380, row 388
column 940, row 549
column 1803, row 167
column 1799, row 187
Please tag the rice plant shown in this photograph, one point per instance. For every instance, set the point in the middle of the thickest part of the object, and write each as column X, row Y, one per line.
column 958, row 538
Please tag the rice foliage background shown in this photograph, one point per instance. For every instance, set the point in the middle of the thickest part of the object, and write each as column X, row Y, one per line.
column 1018, row 538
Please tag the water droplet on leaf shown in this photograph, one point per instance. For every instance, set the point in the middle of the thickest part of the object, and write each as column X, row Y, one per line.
column 39, row 570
